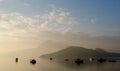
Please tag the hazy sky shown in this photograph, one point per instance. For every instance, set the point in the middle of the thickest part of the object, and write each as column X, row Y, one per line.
column 28, row 24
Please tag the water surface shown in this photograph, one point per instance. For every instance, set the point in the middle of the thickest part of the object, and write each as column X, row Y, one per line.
column 9, row 64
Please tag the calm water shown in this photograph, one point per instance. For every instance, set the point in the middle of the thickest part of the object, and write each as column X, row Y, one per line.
column 9, row 64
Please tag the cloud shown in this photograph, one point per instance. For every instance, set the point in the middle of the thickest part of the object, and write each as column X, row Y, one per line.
column 15, row 31
column 57, row 26
column 14, row 24
column 20, row 26
column 56, row 20
column 58, row 17
column 44, row 26
column 21, row 30
column 61, row 17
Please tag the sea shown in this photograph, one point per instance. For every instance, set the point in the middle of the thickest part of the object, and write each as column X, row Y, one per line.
column 8, row 63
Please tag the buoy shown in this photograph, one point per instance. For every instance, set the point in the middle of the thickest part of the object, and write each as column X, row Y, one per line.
column 51, row 58
column 91, row 59
column 16, row 59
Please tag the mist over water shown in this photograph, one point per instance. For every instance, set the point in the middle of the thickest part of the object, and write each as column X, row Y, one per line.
column 50, row 35
column 7, row 63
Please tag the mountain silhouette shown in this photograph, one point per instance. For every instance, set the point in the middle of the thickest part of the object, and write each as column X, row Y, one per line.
column 76, row 51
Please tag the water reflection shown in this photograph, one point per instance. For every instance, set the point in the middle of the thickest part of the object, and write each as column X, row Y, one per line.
column 8, row 64
column 88, row 66
column 71, row 66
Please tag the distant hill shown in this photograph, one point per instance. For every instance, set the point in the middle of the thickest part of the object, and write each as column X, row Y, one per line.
column 44, row 48
column 75, row 51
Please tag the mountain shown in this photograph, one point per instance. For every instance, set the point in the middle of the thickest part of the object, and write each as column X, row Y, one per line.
column 44, row 48
column 75, row 51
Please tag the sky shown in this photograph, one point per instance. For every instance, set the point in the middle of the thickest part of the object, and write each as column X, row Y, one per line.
column 26, row 24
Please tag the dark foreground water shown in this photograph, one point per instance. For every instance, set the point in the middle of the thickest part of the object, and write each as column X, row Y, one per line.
column 9, row 64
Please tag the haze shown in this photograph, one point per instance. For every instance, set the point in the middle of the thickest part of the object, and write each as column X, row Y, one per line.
column 49, row 24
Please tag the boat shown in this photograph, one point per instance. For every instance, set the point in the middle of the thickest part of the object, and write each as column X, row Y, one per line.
column 101, row 60
column 112, row 61
column 33, row 61
column 79, row 61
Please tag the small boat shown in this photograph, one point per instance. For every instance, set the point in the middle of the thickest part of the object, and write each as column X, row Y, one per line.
column 66, row 59
column 112, row 61
column 79, row 61
column 101, row 60
column 51, row 58
column 33, row 61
